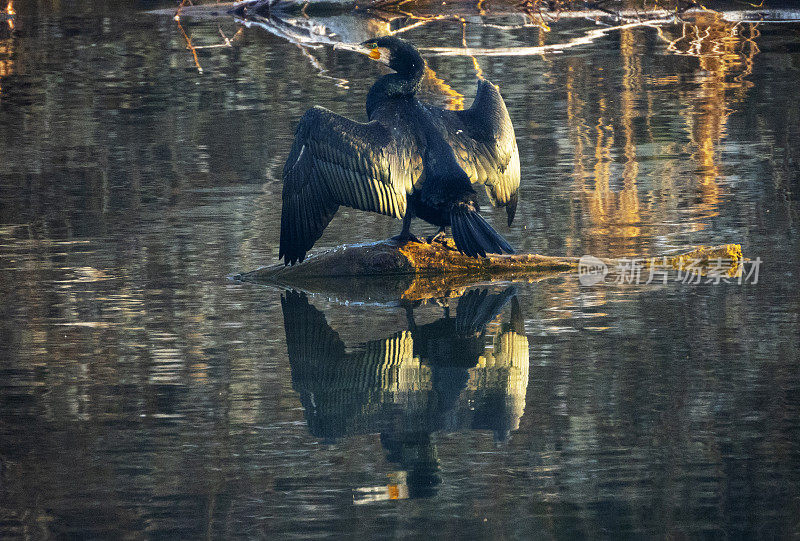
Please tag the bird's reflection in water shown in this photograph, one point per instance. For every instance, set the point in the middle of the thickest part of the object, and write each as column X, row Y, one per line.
column 454, row 374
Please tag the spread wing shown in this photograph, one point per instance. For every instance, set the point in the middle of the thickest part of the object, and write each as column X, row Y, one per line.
column 483, row 140
column 335, row 161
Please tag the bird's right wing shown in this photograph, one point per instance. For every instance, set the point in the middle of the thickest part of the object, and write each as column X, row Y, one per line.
column 483, row 140
column 336, row 161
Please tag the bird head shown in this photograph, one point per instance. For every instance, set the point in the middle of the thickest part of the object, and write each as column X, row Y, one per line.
column 397, row 53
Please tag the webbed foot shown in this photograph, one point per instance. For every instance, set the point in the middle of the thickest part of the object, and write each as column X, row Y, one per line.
column 404, row 238
column 438, row 237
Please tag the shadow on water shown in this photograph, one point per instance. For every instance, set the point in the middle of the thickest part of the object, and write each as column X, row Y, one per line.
column 452, row 374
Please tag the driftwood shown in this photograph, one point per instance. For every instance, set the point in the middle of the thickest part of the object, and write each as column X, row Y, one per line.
column 386, row 270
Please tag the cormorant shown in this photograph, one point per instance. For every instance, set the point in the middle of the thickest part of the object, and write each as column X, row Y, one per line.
column 411, row 159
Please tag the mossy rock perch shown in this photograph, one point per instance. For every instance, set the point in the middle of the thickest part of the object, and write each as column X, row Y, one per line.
column 413, row 271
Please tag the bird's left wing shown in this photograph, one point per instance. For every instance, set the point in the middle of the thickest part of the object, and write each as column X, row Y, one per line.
column 482, row 138
column 336, row 161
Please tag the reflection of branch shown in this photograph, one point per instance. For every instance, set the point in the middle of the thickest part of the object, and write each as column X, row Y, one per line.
column 586, row 39
column 227, row 42
column 185, row 36
column 455, row 99
column 533, row 9
column 189, row 45
column 537, row 10
column 525, row 24
column 294, row 34
column 478, row 70
column 714, row 40
column 421, row 21
column 321, row 71
column 754, row 50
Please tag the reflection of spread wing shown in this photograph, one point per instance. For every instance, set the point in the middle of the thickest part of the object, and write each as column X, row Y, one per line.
column 477, row 308
column 311, row 343
column 483, row 140
column 336, row 161
column 345, row 392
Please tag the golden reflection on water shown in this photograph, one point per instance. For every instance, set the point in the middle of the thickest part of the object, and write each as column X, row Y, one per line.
column 725, row 54
column 11, row 13
column 723, row 47
column 611, row 213
column 6, row 57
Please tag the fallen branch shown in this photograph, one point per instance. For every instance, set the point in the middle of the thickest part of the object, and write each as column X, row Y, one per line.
column 386, row 270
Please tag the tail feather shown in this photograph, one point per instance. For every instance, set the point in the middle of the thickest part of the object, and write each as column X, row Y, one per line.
column 470, row 245
column 457, row 227
column 482, row 235
column 473, row 235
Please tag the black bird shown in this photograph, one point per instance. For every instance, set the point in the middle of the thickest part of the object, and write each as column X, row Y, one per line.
column 411, row 159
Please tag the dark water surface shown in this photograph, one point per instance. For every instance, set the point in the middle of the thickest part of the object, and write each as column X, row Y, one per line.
column 145, row 394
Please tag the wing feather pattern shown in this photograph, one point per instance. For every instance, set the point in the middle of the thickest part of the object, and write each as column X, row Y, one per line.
column 336, row 161
column 485, row 146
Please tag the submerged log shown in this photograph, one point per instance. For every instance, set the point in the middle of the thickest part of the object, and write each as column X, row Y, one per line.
column 388, row 270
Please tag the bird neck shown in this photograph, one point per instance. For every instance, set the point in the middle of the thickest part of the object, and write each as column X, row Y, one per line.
column 395, row 85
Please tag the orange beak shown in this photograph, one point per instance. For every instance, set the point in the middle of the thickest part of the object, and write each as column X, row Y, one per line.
column 381, row 54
